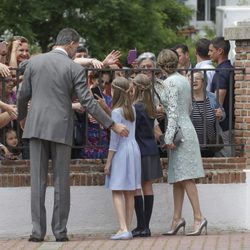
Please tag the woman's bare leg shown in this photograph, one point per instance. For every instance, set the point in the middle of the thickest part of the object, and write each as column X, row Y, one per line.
column 193, row 196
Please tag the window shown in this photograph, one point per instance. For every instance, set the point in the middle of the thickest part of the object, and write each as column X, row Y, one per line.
column 206, row 9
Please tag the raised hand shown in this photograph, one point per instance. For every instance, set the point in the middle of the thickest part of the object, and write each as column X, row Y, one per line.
column 112, row 58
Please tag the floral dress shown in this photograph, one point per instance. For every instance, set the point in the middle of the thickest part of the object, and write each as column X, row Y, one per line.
column 98, row 138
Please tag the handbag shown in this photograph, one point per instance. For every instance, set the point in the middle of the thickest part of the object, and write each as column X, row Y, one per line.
column 178, row 138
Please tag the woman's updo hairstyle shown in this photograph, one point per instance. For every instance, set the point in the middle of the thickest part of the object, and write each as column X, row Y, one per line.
column 167, row 60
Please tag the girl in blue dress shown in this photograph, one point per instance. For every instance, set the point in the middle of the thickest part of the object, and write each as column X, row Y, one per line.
column 123, row 166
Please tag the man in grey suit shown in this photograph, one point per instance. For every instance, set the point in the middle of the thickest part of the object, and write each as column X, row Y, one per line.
column 50, row 80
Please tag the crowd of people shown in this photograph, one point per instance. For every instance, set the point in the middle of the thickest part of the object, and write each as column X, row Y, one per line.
column 120, row 114
column 211, row 122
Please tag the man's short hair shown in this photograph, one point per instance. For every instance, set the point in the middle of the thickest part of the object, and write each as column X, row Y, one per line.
column 181, row 46
column 202, row 47
column 221, row 43
column 66, row 36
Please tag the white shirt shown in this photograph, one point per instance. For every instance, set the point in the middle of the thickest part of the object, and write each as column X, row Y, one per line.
column 207, row 64
column 61, row 49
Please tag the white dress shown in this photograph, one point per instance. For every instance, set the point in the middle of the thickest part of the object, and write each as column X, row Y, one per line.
column 126, row 163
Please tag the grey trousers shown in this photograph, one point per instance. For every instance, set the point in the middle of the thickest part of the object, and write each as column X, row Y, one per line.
column 39, row 158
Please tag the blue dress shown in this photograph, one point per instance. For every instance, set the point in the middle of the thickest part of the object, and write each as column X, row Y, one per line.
column 185, row 161
column 126, row 163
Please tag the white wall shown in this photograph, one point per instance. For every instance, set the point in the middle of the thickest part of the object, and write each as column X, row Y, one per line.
column 226, row 207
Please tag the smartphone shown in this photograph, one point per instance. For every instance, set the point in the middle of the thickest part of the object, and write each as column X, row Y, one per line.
column 96, row 92
column 132, row 55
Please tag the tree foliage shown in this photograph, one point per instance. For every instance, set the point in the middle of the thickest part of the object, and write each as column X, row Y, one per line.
column 148, row 25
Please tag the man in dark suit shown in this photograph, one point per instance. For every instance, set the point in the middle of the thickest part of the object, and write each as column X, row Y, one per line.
column 50, row 80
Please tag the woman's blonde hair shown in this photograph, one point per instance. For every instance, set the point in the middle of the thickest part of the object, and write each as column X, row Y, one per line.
column 121, row 97
column 142, row 93
column 168, row 61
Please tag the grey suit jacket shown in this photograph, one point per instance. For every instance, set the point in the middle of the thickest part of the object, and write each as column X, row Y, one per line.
column 50, row 80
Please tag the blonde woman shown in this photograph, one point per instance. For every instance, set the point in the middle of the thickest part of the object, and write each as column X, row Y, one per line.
column 185, row 163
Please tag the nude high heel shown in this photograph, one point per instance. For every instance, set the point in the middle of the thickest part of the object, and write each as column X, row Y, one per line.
column 198, row 231
column 181, row 223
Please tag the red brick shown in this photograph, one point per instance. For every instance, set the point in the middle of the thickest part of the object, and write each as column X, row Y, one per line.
column 89, row 180
column 83, row 179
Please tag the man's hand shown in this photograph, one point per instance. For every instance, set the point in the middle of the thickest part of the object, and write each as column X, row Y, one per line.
column 120, row 129
column 4, row 70
column 76, row 106
column 112, row 57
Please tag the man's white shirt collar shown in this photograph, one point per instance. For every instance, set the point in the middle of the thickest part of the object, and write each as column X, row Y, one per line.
column 204, row 63
column 61, row 49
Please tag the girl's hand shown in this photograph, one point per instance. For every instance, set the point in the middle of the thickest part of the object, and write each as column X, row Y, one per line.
column 107, row 168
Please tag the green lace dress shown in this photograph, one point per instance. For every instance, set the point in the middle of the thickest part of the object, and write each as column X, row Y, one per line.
column 185, row 161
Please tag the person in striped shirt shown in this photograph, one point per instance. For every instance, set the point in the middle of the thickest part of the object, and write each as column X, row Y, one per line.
column 205, row 105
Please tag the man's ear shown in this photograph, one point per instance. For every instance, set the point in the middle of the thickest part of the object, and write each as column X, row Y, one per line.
column 220, row 51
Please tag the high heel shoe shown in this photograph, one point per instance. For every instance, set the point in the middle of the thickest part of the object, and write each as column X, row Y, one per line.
column 203, row 224
column 181, row 223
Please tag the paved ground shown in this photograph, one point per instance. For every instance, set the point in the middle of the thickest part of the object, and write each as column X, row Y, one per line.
column 220, row 241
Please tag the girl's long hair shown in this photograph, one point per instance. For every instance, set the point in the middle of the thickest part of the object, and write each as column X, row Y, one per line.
column 121, row 97
column 143, row 93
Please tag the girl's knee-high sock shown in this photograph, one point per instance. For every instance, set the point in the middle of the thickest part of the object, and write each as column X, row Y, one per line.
column 139, row 212
column 148, row 208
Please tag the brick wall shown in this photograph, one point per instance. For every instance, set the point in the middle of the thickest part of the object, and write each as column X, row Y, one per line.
column 90, row 172
column 242, row 98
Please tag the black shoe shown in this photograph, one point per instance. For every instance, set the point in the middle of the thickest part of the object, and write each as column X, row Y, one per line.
column 136, row 232
column 62, row 239
column 34, row 239
column 145, row 233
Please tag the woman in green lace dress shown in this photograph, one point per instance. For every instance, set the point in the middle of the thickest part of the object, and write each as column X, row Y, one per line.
column 185, row 163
